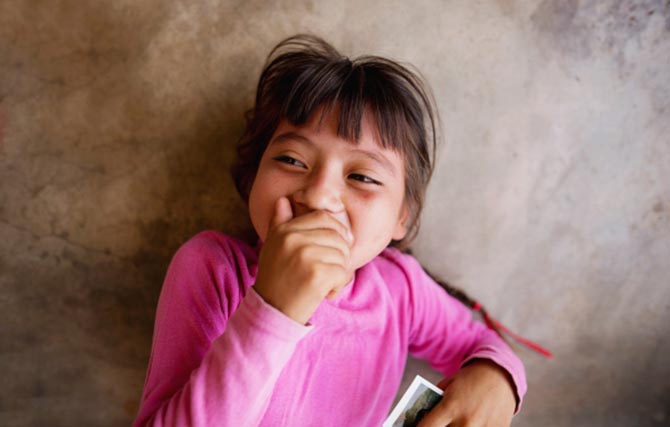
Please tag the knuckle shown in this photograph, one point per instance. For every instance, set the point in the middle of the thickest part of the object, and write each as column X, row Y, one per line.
column 335, row 270
column 312, row 276
column 329, row 271
column 284, row 245
column 322, row 215
column 325, row 216
column 339, row 274
column 341, row 229
column 278, row 229
column 318, row 279
column 448, row 405
column 289, row 239
column 338, row 237
column 303, row 253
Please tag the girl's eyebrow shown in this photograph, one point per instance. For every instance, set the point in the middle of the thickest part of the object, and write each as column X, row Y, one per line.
column 374, row 156
column 289, row 136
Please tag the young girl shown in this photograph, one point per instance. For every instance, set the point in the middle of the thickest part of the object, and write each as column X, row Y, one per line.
column 312, row 325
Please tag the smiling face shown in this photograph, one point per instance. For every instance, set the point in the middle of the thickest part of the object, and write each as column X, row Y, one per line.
column 361, row 185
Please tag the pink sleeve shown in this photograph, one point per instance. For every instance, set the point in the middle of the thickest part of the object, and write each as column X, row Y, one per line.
column 444, row 332
column 198, row 376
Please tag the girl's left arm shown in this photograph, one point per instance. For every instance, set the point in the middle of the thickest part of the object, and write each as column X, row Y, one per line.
column 485, row 380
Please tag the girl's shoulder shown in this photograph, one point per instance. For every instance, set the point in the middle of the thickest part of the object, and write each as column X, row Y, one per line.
column 401, row 259
column 219, row 263
column 403, row 279
column 214, row 239
column 215, row 246
column 397, row 266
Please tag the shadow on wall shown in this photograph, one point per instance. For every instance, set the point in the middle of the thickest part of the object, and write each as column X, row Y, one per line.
column 110, row 167
column 196, row 194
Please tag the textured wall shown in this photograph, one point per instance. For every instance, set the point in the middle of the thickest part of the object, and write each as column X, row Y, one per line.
column 551, row 201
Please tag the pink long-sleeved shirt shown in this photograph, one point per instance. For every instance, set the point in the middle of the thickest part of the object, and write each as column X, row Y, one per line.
column 221, row 356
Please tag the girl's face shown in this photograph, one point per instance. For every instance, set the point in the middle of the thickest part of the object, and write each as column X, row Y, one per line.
column 362, row 185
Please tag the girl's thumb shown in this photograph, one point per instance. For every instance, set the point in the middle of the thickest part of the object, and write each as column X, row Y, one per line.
column 283, row 212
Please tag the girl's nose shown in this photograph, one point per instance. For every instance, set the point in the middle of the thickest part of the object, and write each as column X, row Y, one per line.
column 322, row 190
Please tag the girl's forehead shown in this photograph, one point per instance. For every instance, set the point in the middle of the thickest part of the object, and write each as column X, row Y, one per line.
column 326, row 122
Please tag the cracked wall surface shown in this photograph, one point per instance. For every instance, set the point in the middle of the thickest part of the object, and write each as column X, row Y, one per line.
column 550, row 202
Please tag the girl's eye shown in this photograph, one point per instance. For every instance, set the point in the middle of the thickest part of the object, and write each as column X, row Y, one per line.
column 289, row 160
column 358, row 177
column 365, row 179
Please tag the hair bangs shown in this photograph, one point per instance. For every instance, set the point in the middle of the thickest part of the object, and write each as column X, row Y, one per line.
column 351, row 90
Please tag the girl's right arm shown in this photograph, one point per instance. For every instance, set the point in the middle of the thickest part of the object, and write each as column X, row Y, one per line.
column 217, row 351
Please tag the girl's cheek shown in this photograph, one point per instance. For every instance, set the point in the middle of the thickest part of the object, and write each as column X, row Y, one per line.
column 368, row 196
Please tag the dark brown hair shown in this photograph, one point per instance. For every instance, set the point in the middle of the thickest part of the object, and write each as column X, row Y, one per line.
column 304, row 73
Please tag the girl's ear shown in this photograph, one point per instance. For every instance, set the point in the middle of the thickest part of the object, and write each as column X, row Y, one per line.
column 401, row 227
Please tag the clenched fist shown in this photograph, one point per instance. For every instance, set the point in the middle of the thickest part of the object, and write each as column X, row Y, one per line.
column 303, row 260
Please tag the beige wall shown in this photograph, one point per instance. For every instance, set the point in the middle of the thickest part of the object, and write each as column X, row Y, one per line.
column 551, row 201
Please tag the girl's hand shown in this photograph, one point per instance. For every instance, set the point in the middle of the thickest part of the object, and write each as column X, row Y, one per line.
column 479, row 395
column 303, row 260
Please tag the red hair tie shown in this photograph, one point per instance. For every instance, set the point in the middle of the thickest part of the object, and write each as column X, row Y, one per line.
column 497, row 326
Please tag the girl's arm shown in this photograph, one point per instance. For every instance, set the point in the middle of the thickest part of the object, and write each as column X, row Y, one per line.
column 217, row 348
column 443, row 332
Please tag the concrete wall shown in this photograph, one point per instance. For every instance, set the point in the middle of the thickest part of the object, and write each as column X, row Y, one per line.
column 551, row 201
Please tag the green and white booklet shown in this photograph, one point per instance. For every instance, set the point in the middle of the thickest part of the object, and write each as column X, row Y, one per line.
column 421, row 396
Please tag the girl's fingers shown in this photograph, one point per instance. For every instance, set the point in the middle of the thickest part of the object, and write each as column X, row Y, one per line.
column 318, row 220
column 331, row 275
column 282, row 213
column 320, row 237
column 325, row 254
column 439, row 416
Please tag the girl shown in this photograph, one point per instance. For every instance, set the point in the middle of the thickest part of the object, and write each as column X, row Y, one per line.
column 312, row 325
